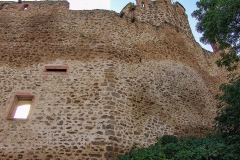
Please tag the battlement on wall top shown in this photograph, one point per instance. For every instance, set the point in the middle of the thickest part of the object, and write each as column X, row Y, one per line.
column 157, row 13
column 142, row 3
column 50, row 4
column 34, row 5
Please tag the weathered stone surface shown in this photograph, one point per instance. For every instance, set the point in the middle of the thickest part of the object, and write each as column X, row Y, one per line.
column 126, row 83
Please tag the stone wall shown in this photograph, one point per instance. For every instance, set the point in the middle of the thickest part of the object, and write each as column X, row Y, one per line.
column 127, row 83
column 159, row 12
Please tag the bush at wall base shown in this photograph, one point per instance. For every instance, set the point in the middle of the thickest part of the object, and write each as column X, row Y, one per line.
column 192, row 148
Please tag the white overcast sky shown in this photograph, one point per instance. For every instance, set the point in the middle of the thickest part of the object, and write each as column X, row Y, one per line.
column 89, row 4
column 117, row 5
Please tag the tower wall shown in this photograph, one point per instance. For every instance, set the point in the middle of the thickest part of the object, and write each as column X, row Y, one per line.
column 159, row 12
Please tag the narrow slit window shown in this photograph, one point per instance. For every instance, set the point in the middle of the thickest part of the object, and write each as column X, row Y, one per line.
column 61, row 69
column 143, row 4
column 56, row 70
column 21, row 107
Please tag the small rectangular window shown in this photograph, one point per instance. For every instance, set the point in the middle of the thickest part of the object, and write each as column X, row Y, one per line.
column 56, row 70
column 20, row 107
column 62, row 69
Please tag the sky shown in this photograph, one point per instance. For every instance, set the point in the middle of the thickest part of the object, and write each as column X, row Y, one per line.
column 117, row 5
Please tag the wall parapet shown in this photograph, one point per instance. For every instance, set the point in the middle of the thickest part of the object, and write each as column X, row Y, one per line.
column 159, row 12
column 6, row 6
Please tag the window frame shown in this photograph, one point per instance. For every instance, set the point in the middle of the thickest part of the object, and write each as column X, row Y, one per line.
column 55, row 68
column 49, row 70
column 13, row 107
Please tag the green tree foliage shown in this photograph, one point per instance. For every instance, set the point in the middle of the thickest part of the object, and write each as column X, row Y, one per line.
column 228, row 60
column 219, row 22
column 228, row 117
column 168, row 148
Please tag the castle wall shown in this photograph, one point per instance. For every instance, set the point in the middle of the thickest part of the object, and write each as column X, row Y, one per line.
column 127, row 83
column 159, row 12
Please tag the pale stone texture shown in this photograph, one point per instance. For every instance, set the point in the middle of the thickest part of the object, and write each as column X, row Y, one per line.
column 127, row 83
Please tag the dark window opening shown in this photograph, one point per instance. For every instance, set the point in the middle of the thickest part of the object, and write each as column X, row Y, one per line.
column 143, row 4
column 56, row 70
column 62, row 69
column 121, row 14
column 25, row 7
column 133, row 19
